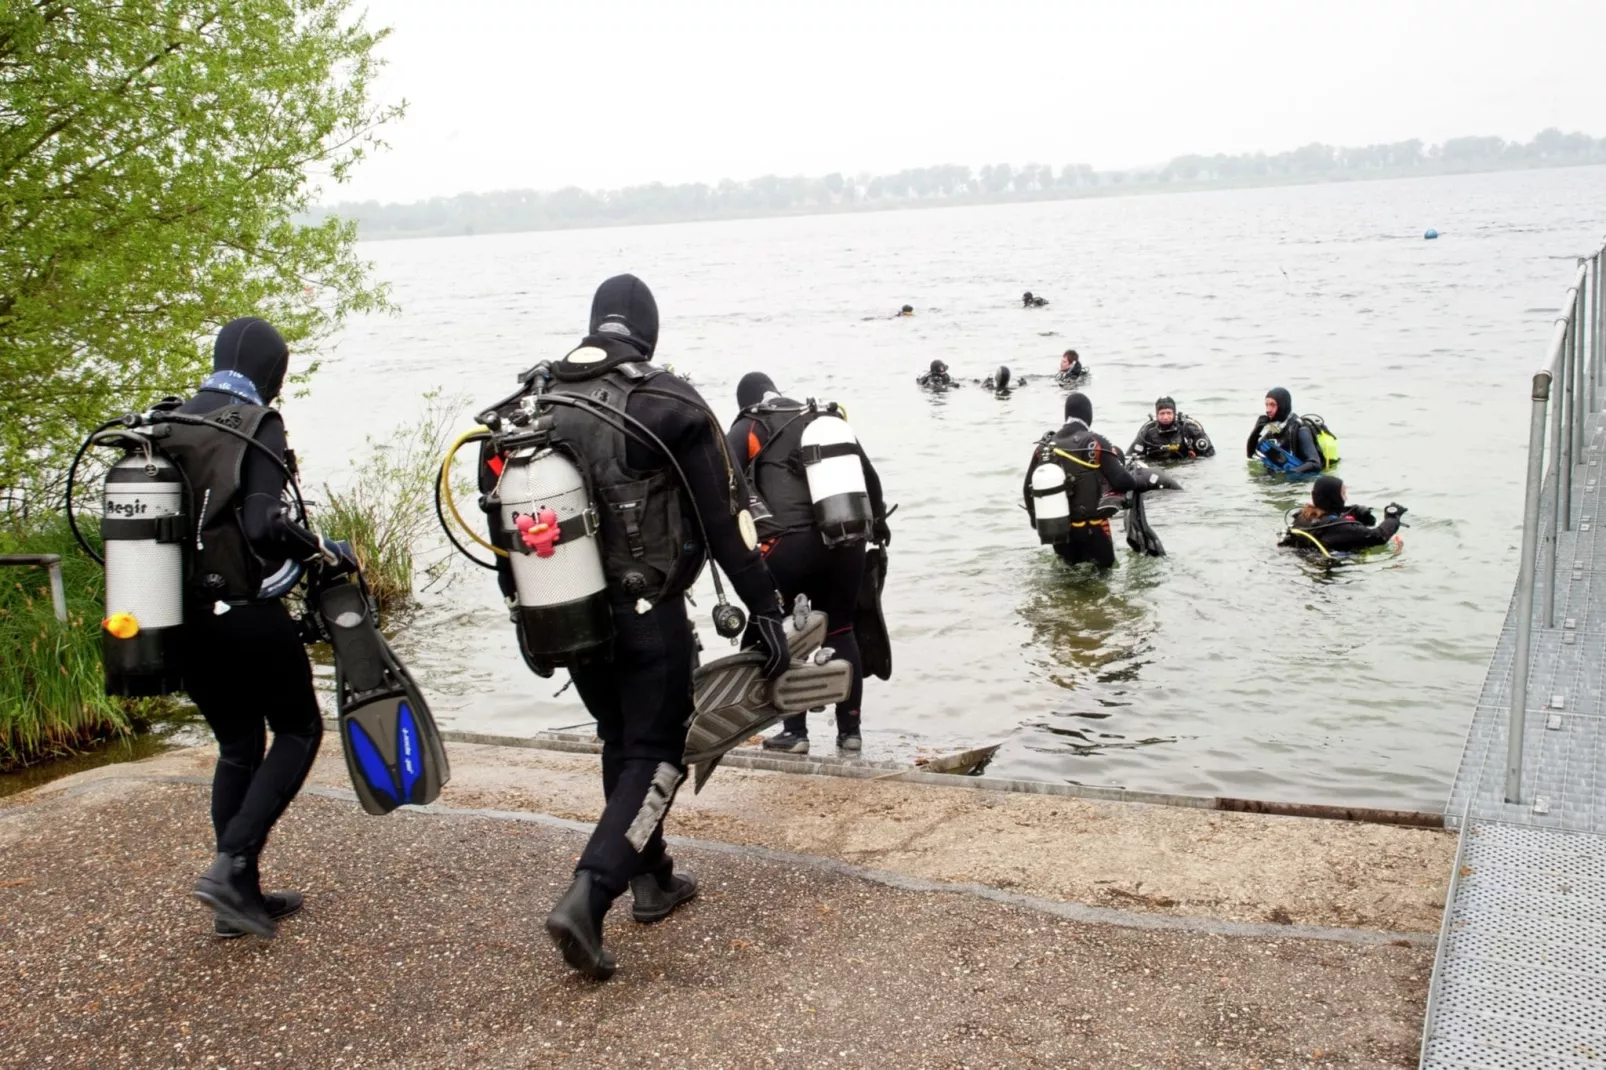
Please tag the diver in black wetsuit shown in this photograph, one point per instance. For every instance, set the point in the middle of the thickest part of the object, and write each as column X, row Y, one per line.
column 639, row 687
column 1281, row 438
column 1328, row 526
column 245, row 664
column 1031, row 300
column 1095, row 481
column 906, row 310
column 1001, row 383
column 1171, row 436
column 766, row 440
column 1071, row 370
column 937, row 378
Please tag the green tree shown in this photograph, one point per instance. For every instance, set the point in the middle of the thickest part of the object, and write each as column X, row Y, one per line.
column 154, row 158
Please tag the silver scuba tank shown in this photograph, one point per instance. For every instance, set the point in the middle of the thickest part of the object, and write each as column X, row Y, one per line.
column 842, row 509
column 144, row 531
column 546, row 510
column 1051, row 505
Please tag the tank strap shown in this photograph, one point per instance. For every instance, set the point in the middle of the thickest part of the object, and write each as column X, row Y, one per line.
column 168, row 529
column 583, row 526
column 816, row 454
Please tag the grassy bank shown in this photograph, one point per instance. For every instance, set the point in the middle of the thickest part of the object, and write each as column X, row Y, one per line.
column 52, row 700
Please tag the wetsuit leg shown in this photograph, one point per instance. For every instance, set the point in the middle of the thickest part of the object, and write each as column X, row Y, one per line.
column 642, row 700
column 1092, row 543
column 801, row 563
column 247, row 670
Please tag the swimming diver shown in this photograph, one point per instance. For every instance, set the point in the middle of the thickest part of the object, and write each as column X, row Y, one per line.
column 1071, row 370
column 937, row 377
column 1083, row 486
column 1001, row 383
column 1329, row 526
column 638, row 685
column 245, row 663
column 1286, row 442
column 1171, row 436
column 1031, row 300
column 906, row 310
column 768, row 439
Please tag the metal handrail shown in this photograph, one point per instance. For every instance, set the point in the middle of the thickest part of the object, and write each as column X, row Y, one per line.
column 1570, row 379
column 51, row 563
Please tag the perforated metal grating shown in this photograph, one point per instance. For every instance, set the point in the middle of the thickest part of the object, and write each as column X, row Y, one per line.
column 1520, row 980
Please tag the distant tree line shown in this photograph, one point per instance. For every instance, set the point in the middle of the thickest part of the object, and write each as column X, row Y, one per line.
column 515, row 210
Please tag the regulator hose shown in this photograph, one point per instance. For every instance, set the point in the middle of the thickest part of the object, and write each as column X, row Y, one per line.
column 443, row 488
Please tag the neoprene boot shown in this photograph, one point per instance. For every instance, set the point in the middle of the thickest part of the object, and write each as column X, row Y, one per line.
column 230, row 889
column 658, row 894
column 280, row 905
column 575, row 925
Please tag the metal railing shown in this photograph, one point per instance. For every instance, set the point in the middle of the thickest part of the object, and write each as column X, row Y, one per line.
column 52, row 564
column 1564, row 395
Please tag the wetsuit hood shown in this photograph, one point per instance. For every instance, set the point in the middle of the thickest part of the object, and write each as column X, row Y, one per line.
column 938, row 367
column 1327, row 494
column 624, row 308
column 1165, row 403
column 1284, row 400
column 1078, row 406
column 751, row 390
column 250, row 347
column 1001, row 377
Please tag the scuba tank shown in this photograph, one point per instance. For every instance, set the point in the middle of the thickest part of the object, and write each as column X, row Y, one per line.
column 1052, row 507
column 144, row 532
column 831, row 462
column 545, row 508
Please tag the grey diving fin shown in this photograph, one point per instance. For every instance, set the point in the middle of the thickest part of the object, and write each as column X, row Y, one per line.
column 732, row 700
column 394, row 752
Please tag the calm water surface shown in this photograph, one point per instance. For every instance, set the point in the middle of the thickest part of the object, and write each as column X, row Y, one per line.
column 1226, row 667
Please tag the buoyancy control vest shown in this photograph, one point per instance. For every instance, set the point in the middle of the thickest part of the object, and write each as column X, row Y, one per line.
column 649, row 548
column 1079, row 452
column 1179, row 440
column 1285, row 436
column 786, row 467
column 222, row 566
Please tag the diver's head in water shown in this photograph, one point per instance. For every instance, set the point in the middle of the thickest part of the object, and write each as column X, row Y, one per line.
column 754, row 388
column 1328, row 494
column 250, row 347
column 1067, row 359
column 624, row 308
column 1026, row 297
column 1078, row 406
column 1165, row 411
column 1279, row 403
column 906, row 310
column 1001, row 378
column 939, row 368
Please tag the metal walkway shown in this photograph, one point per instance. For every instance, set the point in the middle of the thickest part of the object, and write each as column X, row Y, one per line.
column 1520, row 977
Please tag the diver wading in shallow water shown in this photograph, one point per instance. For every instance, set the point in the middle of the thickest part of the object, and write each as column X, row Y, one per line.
column 1329, row 526
column 1171, row 436
column 821, row 506
column 1071, row 370
column 1288, row 443
column 607, row 485
column 937, row 377
column 1002, row 383
column 1031, row 300
column 1076, row 482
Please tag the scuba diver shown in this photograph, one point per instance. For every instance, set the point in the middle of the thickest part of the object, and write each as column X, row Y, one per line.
column 648, row 453
column 1071, row 370
column 773, row 438
column 937, row 377
column 244, row 659
column 1030, row 300
column 1001, row 383
column 1289, row 443
column 1329, row 526
column 906, row 310
column 1171, row 436
column 1076, row 481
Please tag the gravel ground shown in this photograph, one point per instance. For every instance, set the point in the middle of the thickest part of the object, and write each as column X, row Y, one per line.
column 421, row 946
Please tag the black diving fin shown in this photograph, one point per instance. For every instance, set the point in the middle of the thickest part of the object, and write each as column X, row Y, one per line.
column 1139, row 535
column 869, row 624
column 394, row 752
column 732, row 700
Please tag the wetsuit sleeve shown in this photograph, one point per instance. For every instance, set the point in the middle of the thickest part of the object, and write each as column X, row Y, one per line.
column 1305, row 446
column 736, row 441
column 1114, row 472
column 1199, row 435
column 1357, row 536
column 717, row 488
column 263, row 514
column 872, row 484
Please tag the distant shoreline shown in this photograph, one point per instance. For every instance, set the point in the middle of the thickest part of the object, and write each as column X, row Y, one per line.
column 1124, row 189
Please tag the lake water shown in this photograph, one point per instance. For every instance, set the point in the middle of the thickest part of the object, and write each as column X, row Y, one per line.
column 1228, row 666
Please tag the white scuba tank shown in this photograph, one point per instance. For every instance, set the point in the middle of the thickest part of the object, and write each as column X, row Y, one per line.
column 1051, row 505
column 842, row 509
column 144, row 532
column 556, row 557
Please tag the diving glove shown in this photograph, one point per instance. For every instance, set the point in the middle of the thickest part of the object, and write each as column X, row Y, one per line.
column 770, row 627
column 338, row 554
column 1394, row 510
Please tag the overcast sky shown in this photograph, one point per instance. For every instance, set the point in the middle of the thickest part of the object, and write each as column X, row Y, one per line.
column 536, row 94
